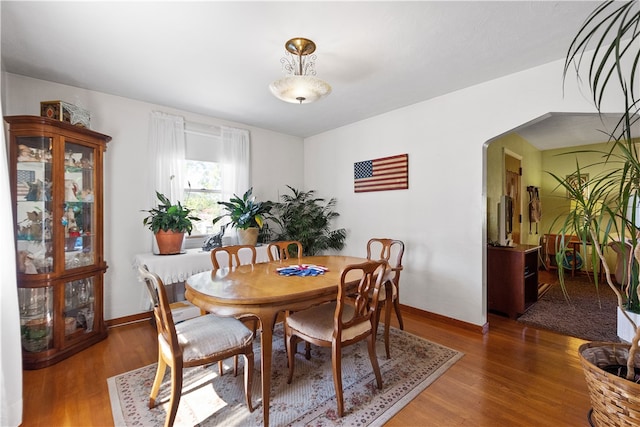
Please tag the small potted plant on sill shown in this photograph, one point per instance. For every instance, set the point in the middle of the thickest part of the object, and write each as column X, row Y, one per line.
column 246, row 215
column 169, row 222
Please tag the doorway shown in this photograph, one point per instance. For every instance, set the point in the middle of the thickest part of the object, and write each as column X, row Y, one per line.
column 513, row 189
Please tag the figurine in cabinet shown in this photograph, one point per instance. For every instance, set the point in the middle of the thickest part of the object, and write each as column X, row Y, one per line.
column 68, row 159
column 38, row 191
column 46, row 191
column 70, row 190
column 24, row 153
column 25, row 263
column 35, row 191
column 32, row 226
column 85, row 162
column 70, row 223
column 86, row 195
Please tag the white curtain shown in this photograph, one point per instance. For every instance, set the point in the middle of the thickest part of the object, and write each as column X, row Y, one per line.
column 10, row 346
column 166, row 159
column 166, row 155
column 235, row 162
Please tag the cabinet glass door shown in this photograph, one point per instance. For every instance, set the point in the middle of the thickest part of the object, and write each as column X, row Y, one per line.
column 36, row 318
column 78, row 218
column 79, row 296
column 34, row 205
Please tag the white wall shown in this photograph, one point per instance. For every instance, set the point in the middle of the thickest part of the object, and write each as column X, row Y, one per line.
column 441, row 217
column 126, row 194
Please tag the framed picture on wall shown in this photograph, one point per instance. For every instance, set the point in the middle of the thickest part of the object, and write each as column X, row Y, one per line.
column 578, row 182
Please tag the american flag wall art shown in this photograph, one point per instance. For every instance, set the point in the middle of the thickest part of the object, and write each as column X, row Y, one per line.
column 386, row 173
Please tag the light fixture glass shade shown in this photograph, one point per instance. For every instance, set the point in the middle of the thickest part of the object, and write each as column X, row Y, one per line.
column 300, row 89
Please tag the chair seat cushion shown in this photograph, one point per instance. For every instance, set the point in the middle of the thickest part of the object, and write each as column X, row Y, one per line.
column 317, row 322
column 208, row 335
column 382, row 295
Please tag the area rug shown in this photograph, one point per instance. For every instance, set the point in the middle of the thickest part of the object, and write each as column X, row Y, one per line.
column 589, row 314
column 212, row 400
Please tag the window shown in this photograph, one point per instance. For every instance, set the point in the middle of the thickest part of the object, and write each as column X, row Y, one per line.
column 202, row 176
column 203, row 194
column 216, row 166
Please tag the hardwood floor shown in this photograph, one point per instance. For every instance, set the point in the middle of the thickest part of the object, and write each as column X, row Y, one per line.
column 512, row 376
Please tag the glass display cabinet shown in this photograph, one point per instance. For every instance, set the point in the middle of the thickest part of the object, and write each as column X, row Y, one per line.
column 56, row 176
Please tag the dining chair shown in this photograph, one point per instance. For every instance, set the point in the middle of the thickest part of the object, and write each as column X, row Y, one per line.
column 281, row 250
column 345, row 321
column 194, row 342
column 233, row 259
column 233, row 254
column 391, row 251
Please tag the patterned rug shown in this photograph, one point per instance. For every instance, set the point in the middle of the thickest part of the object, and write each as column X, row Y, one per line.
column 211, row 400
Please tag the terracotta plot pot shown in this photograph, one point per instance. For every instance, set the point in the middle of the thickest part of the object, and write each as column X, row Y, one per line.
column 169, row 242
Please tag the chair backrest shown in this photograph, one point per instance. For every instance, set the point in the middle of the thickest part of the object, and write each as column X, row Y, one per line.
column 282, row 250
column 164, row 319
column 363, row 298
column 551, row 243
column 389, row 250
column 233, row 253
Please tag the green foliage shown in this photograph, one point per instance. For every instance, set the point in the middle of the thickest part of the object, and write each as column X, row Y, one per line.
column 604, row 215
column 245, row 212
column 169, row 217
column 307, row 219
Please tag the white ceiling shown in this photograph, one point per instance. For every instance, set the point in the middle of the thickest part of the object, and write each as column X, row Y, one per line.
column 218, row 58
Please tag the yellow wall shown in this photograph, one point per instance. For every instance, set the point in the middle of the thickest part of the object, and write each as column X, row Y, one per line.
column 531, row 176
column 555, row 203
column 537, row 168
column 563, row 162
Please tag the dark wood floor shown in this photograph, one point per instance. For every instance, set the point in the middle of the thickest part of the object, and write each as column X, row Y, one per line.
column 512, row 376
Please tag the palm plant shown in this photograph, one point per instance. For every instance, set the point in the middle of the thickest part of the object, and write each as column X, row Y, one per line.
column 604, row 216
column 307, row 219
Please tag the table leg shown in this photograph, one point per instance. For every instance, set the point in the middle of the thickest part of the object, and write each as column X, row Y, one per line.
column 266, row 343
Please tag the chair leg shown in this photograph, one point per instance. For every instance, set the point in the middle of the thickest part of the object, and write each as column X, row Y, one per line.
column 396, row 305
column 292, row 342
column 155, row 388
column 336, row 362
column 374, row 360
column 235, row 365
column 387, row 323
column 307, row 350
column 176, row 392
column 248, row 379
column 307, row 345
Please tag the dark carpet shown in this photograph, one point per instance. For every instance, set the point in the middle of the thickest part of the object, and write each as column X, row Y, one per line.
column 589, row 314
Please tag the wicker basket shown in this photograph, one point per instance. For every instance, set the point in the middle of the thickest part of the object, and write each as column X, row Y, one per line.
column 615, row 400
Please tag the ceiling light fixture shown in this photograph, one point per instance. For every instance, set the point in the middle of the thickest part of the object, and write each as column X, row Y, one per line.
column 301, row 86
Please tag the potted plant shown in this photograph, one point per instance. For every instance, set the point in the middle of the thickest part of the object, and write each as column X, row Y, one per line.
column 169, row 222
column 246, row 215
column 307, row 219
column 609, row 213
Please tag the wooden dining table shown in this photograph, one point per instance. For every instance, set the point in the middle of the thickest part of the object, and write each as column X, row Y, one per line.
column 261, row 291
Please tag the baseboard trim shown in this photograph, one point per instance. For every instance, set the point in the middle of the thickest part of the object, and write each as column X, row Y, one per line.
column 483, row 329
column 134, row 318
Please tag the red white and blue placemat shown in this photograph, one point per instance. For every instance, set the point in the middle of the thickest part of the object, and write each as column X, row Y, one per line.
column 301, row 270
